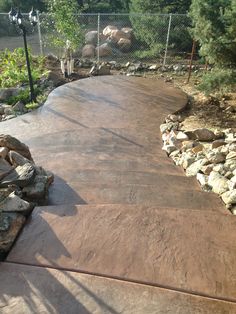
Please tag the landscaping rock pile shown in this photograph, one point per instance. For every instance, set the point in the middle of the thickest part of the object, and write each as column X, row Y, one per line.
column 113, row 41
column 208, row 155
column 22, row 186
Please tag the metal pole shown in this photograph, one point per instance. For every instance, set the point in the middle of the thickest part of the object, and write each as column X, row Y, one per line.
column 167, row 40
column 98, row 41
column 32, row 94
column 191, row 61
column 40, row 34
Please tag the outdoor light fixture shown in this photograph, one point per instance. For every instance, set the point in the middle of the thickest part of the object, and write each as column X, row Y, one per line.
column 16, row 18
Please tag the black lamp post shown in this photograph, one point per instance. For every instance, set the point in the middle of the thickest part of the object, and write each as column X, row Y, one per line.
column 16, row 18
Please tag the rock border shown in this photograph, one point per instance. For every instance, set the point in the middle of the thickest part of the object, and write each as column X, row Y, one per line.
column 209, row 155
column 23, row 185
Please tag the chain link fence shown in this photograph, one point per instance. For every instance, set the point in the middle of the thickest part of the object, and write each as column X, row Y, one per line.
column 149, row 38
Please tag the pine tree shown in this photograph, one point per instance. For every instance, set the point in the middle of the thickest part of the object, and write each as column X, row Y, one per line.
column 214, row 28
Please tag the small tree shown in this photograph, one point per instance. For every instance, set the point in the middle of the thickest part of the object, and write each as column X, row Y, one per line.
column 215, row 29
column 64, row 18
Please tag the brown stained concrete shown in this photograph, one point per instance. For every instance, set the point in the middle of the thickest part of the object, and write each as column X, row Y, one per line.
column 123, row 210
column 54, row 291
column 182, row 249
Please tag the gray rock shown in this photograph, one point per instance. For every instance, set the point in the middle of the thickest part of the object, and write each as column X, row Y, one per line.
column 169, row 148
column 15, row 223
column 91, row 38
column 20, row 107
column 204, row 135
column 38, row 189
column 6, row 93
column 195, row 167
column 229, row 197
column 17, row 159
column 169, row 126
column 21, row 176
column 9, row 117
column 5, row 168
column 14, row 203
column 218, row 182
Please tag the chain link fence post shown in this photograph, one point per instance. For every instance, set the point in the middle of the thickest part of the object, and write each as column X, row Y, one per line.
column 40, row 34
column 98, row 41
column 167, row 40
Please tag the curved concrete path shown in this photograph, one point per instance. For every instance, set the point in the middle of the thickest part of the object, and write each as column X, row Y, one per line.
column 125, row 231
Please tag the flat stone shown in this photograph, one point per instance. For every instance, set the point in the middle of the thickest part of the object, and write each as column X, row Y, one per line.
column 61, row 291
column 21, row 176
column 160, row 242
column 8, row 237
column 14, row 203
column 204, row 135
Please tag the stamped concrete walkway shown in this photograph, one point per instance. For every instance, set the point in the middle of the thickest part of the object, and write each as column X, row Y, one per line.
column 125, row 231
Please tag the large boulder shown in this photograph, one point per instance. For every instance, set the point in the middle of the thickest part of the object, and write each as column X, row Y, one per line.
column 116, row 35
column 108, row 30
column 124, row 44
column 105, row 50
column 128, row 32
column 91, row 38
column 88, row 51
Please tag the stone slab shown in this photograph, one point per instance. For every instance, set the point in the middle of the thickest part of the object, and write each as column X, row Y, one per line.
column 183, row 250
column 26, row 289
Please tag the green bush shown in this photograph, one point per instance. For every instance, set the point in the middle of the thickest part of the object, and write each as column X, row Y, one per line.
column 218, row 80
column 13, row 69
